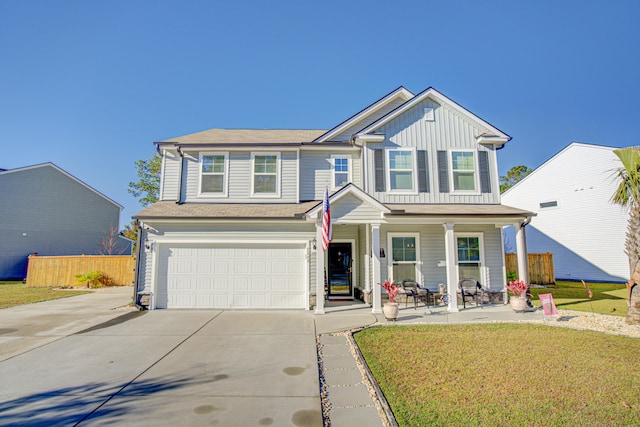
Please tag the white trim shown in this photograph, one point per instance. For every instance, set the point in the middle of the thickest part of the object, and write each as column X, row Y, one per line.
column 354, row 261
column 349, row 189
column 225, row 175
column 414, row 170
column 349, row 160
column 278, row 174
column 483, row 267
column 476, row 171
column 390, row 259
column 298, row 175
column 160, row 241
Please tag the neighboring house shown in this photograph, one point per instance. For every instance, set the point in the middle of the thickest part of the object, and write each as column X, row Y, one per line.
column 45, row 210
column 575, row 220
column 414, row 194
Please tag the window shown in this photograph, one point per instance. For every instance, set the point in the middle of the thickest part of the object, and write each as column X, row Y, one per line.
column 341, row 172
column 405, row 253
column 469, row 257
column 401, row 167
column 265, row 174
column 213, row 174
column 463, row 168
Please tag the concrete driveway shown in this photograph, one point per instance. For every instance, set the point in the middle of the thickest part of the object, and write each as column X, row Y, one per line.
column 170, row 367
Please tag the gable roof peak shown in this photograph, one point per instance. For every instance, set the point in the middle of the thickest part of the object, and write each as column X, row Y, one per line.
column 400, row 93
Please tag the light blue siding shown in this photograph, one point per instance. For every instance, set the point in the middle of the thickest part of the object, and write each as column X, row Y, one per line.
column 239, row 179
column 316, row 170
column 170, row 175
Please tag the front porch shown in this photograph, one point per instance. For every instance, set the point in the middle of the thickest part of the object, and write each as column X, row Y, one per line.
column 342, row 316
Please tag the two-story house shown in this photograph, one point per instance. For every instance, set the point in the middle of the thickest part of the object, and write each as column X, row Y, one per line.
column 414, row 194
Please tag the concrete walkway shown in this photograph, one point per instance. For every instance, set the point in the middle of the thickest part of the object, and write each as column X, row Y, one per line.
column 349, row 395
column 86, row 360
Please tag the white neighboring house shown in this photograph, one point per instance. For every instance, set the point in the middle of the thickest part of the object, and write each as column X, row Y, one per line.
column 575, row 219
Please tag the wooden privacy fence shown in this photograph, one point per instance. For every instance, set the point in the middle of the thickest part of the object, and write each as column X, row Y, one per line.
column 541, row 270
column 45, row 271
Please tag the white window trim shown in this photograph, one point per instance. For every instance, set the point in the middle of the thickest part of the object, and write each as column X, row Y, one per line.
column 418, row 262
column 414, row 171
column 476, row 172
column 278, row 174
column 225, row 186
column 483, row 268
column 333, row 168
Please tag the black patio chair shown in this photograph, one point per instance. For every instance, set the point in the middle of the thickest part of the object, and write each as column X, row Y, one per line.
column 470, row 288
column 415, row 291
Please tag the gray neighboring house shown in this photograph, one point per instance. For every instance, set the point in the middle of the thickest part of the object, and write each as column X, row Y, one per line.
column 47, row 211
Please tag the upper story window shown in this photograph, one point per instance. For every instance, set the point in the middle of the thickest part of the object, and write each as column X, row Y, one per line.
column 463, row 170
column 341, row 171
column 213, row 174
column 265, row 174
column 401, row 167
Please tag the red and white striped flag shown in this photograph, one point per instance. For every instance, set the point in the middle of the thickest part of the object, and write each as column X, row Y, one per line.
column 326, row 221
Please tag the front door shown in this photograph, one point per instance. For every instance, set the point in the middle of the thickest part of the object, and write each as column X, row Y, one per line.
column 340, row 274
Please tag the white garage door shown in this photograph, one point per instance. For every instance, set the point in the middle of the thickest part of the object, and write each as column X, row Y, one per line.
column 231, row 276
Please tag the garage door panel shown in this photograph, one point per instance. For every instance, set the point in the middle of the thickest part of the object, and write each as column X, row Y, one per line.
column 231, row 276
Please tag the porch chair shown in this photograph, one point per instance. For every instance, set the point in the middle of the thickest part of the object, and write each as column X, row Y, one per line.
column 415, row 291
column 471, row 288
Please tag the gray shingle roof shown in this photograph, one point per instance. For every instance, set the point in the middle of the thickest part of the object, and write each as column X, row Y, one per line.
column 168, row 210
column 249, row 136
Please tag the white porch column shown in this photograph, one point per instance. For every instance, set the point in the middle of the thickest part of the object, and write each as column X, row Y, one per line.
column 319, row 271
column 450, row 260
column 523, row 256
column 376, row 306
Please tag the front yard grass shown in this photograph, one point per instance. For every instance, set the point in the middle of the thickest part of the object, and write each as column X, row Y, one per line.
column 17, row 293
column 608, row 298
column 504, row 375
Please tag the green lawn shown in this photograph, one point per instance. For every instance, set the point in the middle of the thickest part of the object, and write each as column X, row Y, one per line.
column 17, row 293
column 504, row 375
column 608, row 298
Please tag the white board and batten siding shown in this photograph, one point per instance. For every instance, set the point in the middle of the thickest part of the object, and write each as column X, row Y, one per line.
column 449, row 130
column 570, row 193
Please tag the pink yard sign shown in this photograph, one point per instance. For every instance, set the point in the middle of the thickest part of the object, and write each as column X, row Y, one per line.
column 548, row 306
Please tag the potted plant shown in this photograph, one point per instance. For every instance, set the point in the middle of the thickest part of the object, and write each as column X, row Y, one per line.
column 519, row 289
column 390, row 309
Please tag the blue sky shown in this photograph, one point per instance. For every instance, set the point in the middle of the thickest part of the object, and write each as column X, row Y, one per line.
column 90, row 85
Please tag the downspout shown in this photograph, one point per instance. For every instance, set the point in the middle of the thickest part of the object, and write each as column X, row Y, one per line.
column 179, row 201
column 136, row 277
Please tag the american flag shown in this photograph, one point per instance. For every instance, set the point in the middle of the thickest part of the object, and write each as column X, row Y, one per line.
column 326, row 221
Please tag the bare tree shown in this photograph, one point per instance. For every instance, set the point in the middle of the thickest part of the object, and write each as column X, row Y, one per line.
column 109, row 243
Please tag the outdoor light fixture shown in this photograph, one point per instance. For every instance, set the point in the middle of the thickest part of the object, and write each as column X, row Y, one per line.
column 382, row 254
column 147, row 244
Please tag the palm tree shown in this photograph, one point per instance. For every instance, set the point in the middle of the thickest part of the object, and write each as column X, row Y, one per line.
column 628, row 195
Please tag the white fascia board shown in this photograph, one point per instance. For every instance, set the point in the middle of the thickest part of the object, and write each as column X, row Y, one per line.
column 500, row 221
column 401, row 92
column 323, row 147
column 439, row 98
